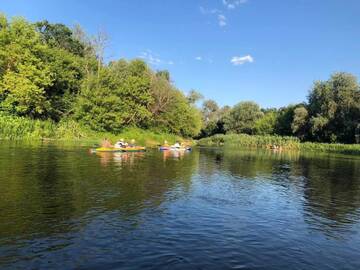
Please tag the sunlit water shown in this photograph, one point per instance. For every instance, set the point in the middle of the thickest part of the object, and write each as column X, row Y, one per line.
column 62, row 207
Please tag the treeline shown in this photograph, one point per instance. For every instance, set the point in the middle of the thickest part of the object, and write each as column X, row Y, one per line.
column 51, row 72
column 54, row 73
column 330, row 114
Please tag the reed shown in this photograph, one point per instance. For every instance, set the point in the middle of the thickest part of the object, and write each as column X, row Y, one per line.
column 257, row 141
column 251, row 141
column 22, row 128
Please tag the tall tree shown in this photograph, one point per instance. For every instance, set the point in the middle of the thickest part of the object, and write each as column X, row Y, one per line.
column 242, row 117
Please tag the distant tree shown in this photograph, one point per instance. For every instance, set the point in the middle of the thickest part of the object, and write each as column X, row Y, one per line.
column 164, row 74
column 242, row 117
column 299, row 125
column 284, row 120
column 194, row 96
column 334, row 108
column 266, row 125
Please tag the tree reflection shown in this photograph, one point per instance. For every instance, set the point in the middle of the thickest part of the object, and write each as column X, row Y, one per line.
column 48, row 189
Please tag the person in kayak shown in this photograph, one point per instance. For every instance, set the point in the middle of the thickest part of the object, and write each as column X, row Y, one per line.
column 132, row 143
column 176, row 145
column 106, row 143
column 121, row 144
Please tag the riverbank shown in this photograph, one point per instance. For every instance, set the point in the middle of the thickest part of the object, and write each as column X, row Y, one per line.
column 277, row 142
column 21, row 128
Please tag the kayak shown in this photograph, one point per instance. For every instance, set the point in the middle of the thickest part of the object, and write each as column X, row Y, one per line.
column 124, row 149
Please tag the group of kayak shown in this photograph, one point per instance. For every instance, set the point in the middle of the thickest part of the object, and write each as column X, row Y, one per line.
column 123, row 146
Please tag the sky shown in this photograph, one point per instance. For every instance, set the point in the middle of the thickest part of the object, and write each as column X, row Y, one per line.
column 267, row 51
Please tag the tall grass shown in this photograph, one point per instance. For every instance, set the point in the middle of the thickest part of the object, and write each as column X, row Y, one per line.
column 250, row 141
column 22, row 128
column 353, row 149
column 256, row 141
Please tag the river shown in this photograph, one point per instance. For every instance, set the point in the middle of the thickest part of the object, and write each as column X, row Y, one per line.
column 62, row 207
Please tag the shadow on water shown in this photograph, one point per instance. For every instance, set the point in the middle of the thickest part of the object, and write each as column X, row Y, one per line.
column 64, row 207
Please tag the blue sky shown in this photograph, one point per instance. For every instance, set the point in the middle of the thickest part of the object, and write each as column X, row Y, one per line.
column 268, row 51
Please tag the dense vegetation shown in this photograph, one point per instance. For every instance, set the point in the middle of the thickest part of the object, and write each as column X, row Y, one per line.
column 55, row 74
column 279, row 142
column 331, row 114
column 55, row 83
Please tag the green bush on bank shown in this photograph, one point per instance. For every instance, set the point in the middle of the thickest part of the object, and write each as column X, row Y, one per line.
column 291, row 143
column 353, row 149
column 253, row 141
column 22, row 128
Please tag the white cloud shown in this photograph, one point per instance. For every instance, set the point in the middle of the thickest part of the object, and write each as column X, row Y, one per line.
column 209, row 11
column 215, row 12
column 239, row 60
column 199, row 58
column 222, row 20
column 154, row 59
column 232, row 4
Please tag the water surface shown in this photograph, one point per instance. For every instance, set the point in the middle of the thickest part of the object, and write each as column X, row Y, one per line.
column 62, row 207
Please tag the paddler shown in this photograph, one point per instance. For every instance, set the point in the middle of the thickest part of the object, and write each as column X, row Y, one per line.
column 132, row 143
column 121, row 144
column 106, row 143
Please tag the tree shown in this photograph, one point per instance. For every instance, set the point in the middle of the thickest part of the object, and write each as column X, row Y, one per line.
column 180, row 117
column 266, row 124
column 242, row 118
column 284, row 120
column 109, row 102
column 334, row 108
column 299, row 125
column 60, row 36
column 194, row 96
column 24, row 73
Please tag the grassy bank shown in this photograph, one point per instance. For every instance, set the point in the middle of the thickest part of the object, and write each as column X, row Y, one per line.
column 254, row 141
column 21, row 128
column 289, row 143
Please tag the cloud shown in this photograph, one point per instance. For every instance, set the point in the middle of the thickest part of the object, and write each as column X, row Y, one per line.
column 232, row 4
column 215, row 12
column 240, row 60
column 199, row 58
column 153, row 59
column 209, row 11
column 222, row 20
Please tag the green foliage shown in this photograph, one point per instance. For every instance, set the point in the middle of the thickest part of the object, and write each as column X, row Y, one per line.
column 23, row 128
column 24, row 75
column 353, row 149
column 253, row 141
column 57, row 74
column 266, row 124
column 242, row 118
column 213, row 118
column 299, row 124
column 334, row 108
column 107, row 103
column 180, row 117
column 60, row 36
column 289, row 143
column 48, row 71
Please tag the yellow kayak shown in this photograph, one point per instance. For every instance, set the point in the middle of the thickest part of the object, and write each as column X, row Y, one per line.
column 124, row 149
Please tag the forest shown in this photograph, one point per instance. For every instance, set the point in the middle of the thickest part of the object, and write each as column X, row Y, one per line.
column 52, row 73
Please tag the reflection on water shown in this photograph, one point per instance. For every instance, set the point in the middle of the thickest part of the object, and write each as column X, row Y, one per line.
column 64, row 208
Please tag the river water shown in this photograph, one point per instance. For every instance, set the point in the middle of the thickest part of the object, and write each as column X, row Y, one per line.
column 62, row 207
